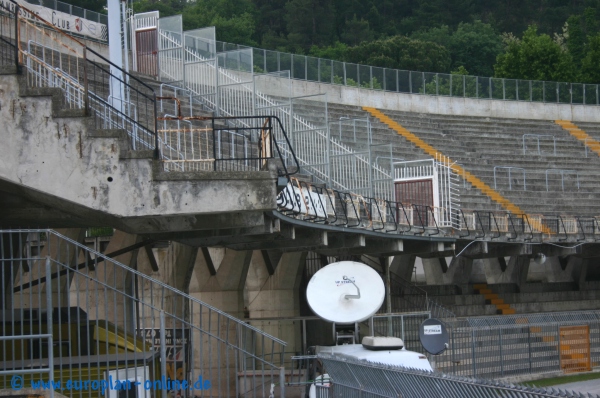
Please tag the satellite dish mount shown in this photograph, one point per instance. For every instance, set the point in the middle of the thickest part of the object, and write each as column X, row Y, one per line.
column 351, row 296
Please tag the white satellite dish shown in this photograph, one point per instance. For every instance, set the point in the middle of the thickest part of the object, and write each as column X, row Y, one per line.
column 345, row 292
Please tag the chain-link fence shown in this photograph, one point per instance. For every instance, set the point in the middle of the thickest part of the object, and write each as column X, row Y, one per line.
column 323, row 70
column 350, row 378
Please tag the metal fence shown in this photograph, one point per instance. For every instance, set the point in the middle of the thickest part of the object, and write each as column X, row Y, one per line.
column 412, row 82
column 89, row 82
column 350, row 378
column 89, row 318
column 503, row 346
column 225, row 83
column 71, row 9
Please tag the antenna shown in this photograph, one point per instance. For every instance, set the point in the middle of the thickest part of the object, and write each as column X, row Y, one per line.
column 434, row 336
column 345, row 292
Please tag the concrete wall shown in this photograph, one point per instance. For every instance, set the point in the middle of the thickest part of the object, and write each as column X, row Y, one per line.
column 57, row 158
column 433, row 104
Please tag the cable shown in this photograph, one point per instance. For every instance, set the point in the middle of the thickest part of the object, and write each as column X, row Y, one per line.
column 520, row 243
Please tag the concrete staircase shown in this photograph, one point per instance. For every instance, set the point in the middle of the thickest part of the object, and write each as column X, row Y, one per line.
column 478, row 144
column 478, row 300
column 58, row 160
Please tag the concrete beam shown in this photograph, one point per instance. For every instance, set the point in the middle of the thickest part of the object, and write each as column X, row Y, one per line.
column 403, row 265
column 305, row 240
column 484, row 249
column 237, row 236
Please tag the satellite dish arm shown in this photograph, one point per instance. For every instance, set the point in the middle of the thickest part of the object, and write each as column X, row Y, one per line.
column 352, row 296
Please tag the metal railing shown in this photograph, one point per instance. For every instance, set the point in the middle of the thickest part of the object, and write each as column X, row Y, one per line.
column 317, row 204
column 537, row 138
column 412, row 82
column 71, row 9
column 352, row 378
column 206, row 143
column 53, row 58
column 17, row 374
column 509, row 170
column 513, row 345
column 562, row 173
column 226, row 84
column 106, row 319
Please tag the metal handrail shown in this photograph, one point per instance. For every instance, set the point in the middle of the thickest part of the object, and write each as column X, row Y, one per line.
column 509, row 168
column 562, row 176
column 84, row 86
column 538, row 136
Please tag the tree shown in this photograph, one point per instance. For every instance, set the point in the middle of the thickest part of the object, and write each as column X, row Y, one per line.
column 233, row 19
column 576, row 39
column 165, row 8
column 441, row 35
column 589, row 65
column 269, row 19
column 356, row 31
column 535, row 57
column 475, row 47
column 309, row 23
column 401, row 52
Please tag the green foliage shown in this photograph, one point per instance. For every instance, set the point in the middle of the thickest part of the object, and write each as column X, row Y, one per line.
column 456, row 84
column 445, row 35
column 401, row 52
column 337, row 51
column 535, row 57
column 589, row 65
column 575, row 38
column 233, row 19
column 356, row 31
column 165, row 8
column 472, row 45
column 309, row 23
column 475, row 46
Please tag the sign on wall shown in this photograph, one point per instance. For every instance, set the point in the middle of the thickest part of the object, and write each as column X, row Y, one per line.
column 67, row 22
column 177, row 351
column 303, row 201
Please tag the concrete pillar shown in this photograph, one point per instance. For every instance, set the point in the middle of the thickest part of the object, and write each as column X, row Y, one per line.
column 517, row 270
column 64, row 255
column 218, row 279
column 437, row 272
column 460, row 271
column 554, row 272
column 434, row 274
column 403, row 266
column 107, row 293
column 174, row 267
column 277, row 296
column 579, row 268
column 12, row 249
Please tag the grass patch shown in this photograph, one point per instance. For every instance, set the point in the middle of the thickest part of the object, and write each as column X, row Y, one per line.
column 562, row 380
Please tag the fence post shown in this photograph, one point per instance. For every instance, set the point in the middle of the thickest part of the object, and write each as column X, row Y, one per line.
column 473, row 352
column 86, row 95
column 529, row 347
column 49, row 309
column 214, row 144
column 282, row 382
column 17, row 34
column 501, row 356
column 163, row 352
column 156, row 149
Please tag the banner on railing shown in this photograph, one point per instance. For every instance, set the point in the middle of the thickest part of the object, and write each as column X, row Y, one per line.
column 67, row 22
column 304, row 201
column 177, row 350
